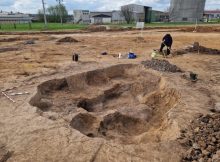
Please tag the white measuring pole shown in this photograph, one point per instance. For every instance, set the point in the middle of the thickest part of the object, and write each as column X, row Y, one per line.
column 140, row 25
column 8, row 97
column 195, row 30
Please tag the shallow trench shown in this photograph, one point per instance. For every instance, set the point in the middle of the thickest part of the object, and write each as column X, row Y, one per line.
column 120, row 101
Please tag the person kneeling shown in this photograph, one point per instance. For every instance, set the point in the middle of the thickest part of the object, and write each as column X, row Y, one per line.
column 166, row 41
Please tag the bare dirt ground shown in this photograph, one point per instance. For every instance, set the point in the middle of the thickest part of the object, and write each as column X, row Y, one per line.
column 102, row 108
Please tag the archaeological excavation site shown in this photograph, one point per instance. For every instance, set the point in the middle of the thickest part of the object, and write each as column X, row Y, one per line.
column 110, row 96
column 111, row 104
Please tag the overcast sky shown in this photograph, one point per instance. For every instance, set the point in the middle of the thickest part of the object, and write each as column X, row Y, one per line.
column 32, row 6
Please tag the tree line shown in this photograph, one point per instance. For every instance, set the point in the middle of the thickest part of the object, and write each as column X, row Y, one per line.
column 54, row 14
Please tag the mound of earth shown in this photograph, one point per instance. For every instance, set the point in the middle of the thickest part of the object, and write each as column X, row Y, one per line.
column 115, row 29
column 96, row 28
column 14, row 39
column 196, row 48
column 111, row 103
column 202, row 139
column 11, row 39
column 8, row 49
column 67, row 40
column 161, row 65
column 202, row 29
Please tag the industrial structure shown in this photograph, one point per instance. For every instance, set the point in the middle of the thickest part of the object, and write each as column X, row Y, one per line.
column 212, row 14
column 186, row 10
column 81, row 16
column 159, row 16
column 14, row 18
column 139, row 13
column 117, row 17
column 100, row 17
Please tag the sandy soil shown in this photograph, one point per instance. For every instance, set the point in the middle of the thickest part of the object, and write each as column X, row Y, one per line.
column 101, row 108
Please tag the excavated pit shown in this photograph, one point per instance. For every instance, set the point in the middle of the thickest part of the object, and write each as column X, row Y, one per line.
column 117, row 102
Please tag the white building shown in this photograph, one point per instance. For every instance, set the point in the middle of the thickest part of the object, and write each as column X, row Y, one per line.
column 212, row 14
column 140, row 13
column 14, row 18
column 81, row 16
column 101, row 17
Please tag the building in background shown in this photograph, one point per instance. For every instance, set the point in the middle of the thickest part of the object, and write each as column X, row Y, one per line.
column 159, row 16
column 117, row 17
column 140, row 13
column 212, row 14
column 14, row 18
column 186, row 10
column 35, row 17
column 81, row 16
column 100, row 17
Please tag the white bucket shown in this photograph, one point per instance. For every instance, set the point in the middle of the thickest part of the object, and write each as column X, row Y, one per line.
column 119, row 56
column 153, row 54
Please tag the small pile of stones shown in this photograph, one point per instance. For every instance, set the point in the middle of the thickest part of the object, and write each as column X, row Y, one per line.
column 202, row 139
column 161, row 65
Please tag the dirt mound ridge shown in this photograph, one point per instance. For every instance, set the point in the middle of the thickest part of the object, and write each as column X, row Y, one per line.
column 11, row 39
column 8, row 49
column 196, row 48
column 14, row 39
column 96, row 28
column 202, row 139
column 161, row 65
column 67, row 40
column 202, row 29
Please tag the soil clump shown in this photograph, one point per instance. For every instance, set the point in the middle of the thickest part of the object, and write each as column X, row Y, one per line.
column 67, row 40
column 202, row 139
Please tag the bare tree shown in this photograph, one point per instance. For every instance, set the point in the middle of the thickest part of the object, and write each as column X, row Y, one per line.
column 45, row 18
column 167, row 13
column 127, row 12
column 167, row 10
column 60, row 5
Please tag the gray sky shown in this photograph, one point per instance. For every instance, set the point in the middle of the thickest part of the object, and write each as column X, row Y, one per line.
column 32, row 6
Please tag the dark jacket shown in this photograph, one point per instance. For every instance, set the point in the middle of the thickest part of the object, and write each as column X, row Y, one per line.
column 168, row 40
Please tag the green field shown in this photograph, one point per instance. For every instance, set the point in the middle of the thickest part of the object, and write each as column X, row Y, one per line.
column 58, row 26
column 165, row 24
column 40, row 27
